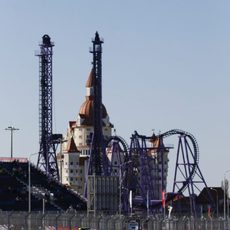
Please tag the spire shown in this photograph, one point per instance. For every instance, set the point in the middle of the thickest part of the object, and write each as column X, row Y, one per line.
column 97, row 38
column 89, row 86
column 89, row 82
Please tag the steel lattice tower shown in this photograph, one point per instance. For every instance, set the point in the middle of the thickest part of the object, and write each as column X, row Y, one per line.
column 97, row 154
column 47, row 154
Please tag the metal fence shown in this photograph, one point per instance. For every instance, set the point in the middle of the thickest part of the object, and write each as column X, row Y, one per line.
column 73, row 221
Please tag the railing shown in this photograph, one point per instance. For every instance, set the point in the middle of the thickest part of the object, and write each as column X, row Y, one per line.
column 75, row 220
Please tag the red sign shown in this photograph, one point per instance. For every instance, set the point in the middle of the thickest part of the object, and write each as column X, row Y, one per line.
column 163, row 198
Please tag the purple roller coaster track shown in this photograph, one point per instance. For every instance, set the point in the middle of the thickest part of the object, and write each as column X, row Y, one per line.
column 143, row 169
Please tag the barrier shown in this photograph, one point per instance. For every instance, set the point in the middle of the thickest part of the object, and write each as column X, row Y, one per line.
column 74, row 221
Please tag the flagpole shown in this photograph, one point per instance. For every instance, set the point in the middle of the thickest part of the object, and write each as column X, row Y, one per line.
column 131, row 201
column 147, row 203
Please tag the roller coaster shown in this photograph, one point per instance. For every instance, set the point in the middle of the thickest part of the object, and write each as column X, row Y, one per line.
column 143, row 168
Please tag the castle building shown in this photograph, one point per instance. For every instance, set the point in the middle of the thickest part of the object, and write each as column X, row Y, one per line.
column 73, row 160
column 75, row 149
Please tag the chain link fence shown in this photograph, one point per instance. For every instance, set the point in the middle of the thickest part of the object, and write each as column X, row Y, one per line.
column 74, row 221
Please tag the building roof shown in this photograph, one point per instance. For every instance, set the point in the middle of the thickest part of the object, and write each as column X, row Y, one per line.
column 71, row 146
column 208, row 194
column 86, row 112
column 72, row 125
column 89, row 82
column 86, row 109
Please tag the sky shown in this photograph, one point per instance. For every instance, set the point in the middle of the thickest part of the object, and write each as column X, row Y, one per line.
column 165, row 66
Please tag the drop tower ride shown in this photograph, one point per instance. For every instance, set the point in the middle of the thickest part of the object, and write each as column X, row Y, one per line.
column 48, row 141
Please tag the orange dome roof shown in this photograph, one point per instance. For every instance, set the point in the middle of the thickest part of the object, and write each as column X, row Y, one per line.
column 86, row 111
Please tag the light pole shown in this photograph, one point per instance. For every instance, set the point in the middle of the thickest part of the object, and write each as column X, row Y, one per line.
column 147, row 204
column 61, row 165
column 61, row 159
column 43, row 205
column 217, row 209
column 225, row 193
column 29, row 183
column 11, row 129
column 120, row 183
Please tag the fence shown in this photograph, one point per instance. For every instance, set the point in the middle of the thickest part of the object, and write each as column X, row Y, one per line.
column 73, row 221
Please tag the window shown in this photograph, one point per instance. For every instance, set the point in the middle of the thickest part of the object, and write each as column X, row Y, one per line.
column 71, row 170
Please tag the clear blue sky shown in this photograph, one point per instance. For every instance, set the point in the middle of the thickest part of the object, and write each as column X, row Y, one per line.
column 166, row 65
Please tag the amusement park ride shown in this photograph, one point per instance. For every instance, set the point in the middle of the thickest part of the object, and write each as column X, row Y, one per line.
column 47, row 160
column 140, row 171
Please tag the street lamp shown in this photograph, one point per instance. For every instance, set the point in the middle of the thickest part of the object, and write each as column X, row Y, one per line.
column 11, row 129
column 225, row 193
column 45, row 197
column 217, row 209
column 29, row 183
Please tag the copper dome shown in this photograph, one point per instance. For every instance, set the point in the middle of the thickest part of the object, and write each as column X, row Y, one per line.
column 86, row 111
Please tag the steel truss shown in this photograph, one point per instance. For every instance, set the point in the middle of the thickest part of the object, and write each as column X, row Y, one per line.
column 145, row 176
column 48, row 141
column 187, row 175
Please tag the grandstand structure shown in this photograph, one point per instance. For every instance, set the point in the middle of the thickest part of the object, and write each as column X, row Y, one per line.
column 14, row 189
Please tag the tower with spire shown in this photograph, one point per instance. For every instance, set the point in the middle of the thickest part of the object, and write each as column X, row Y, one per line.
column 83, row 161
column 75, row 151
